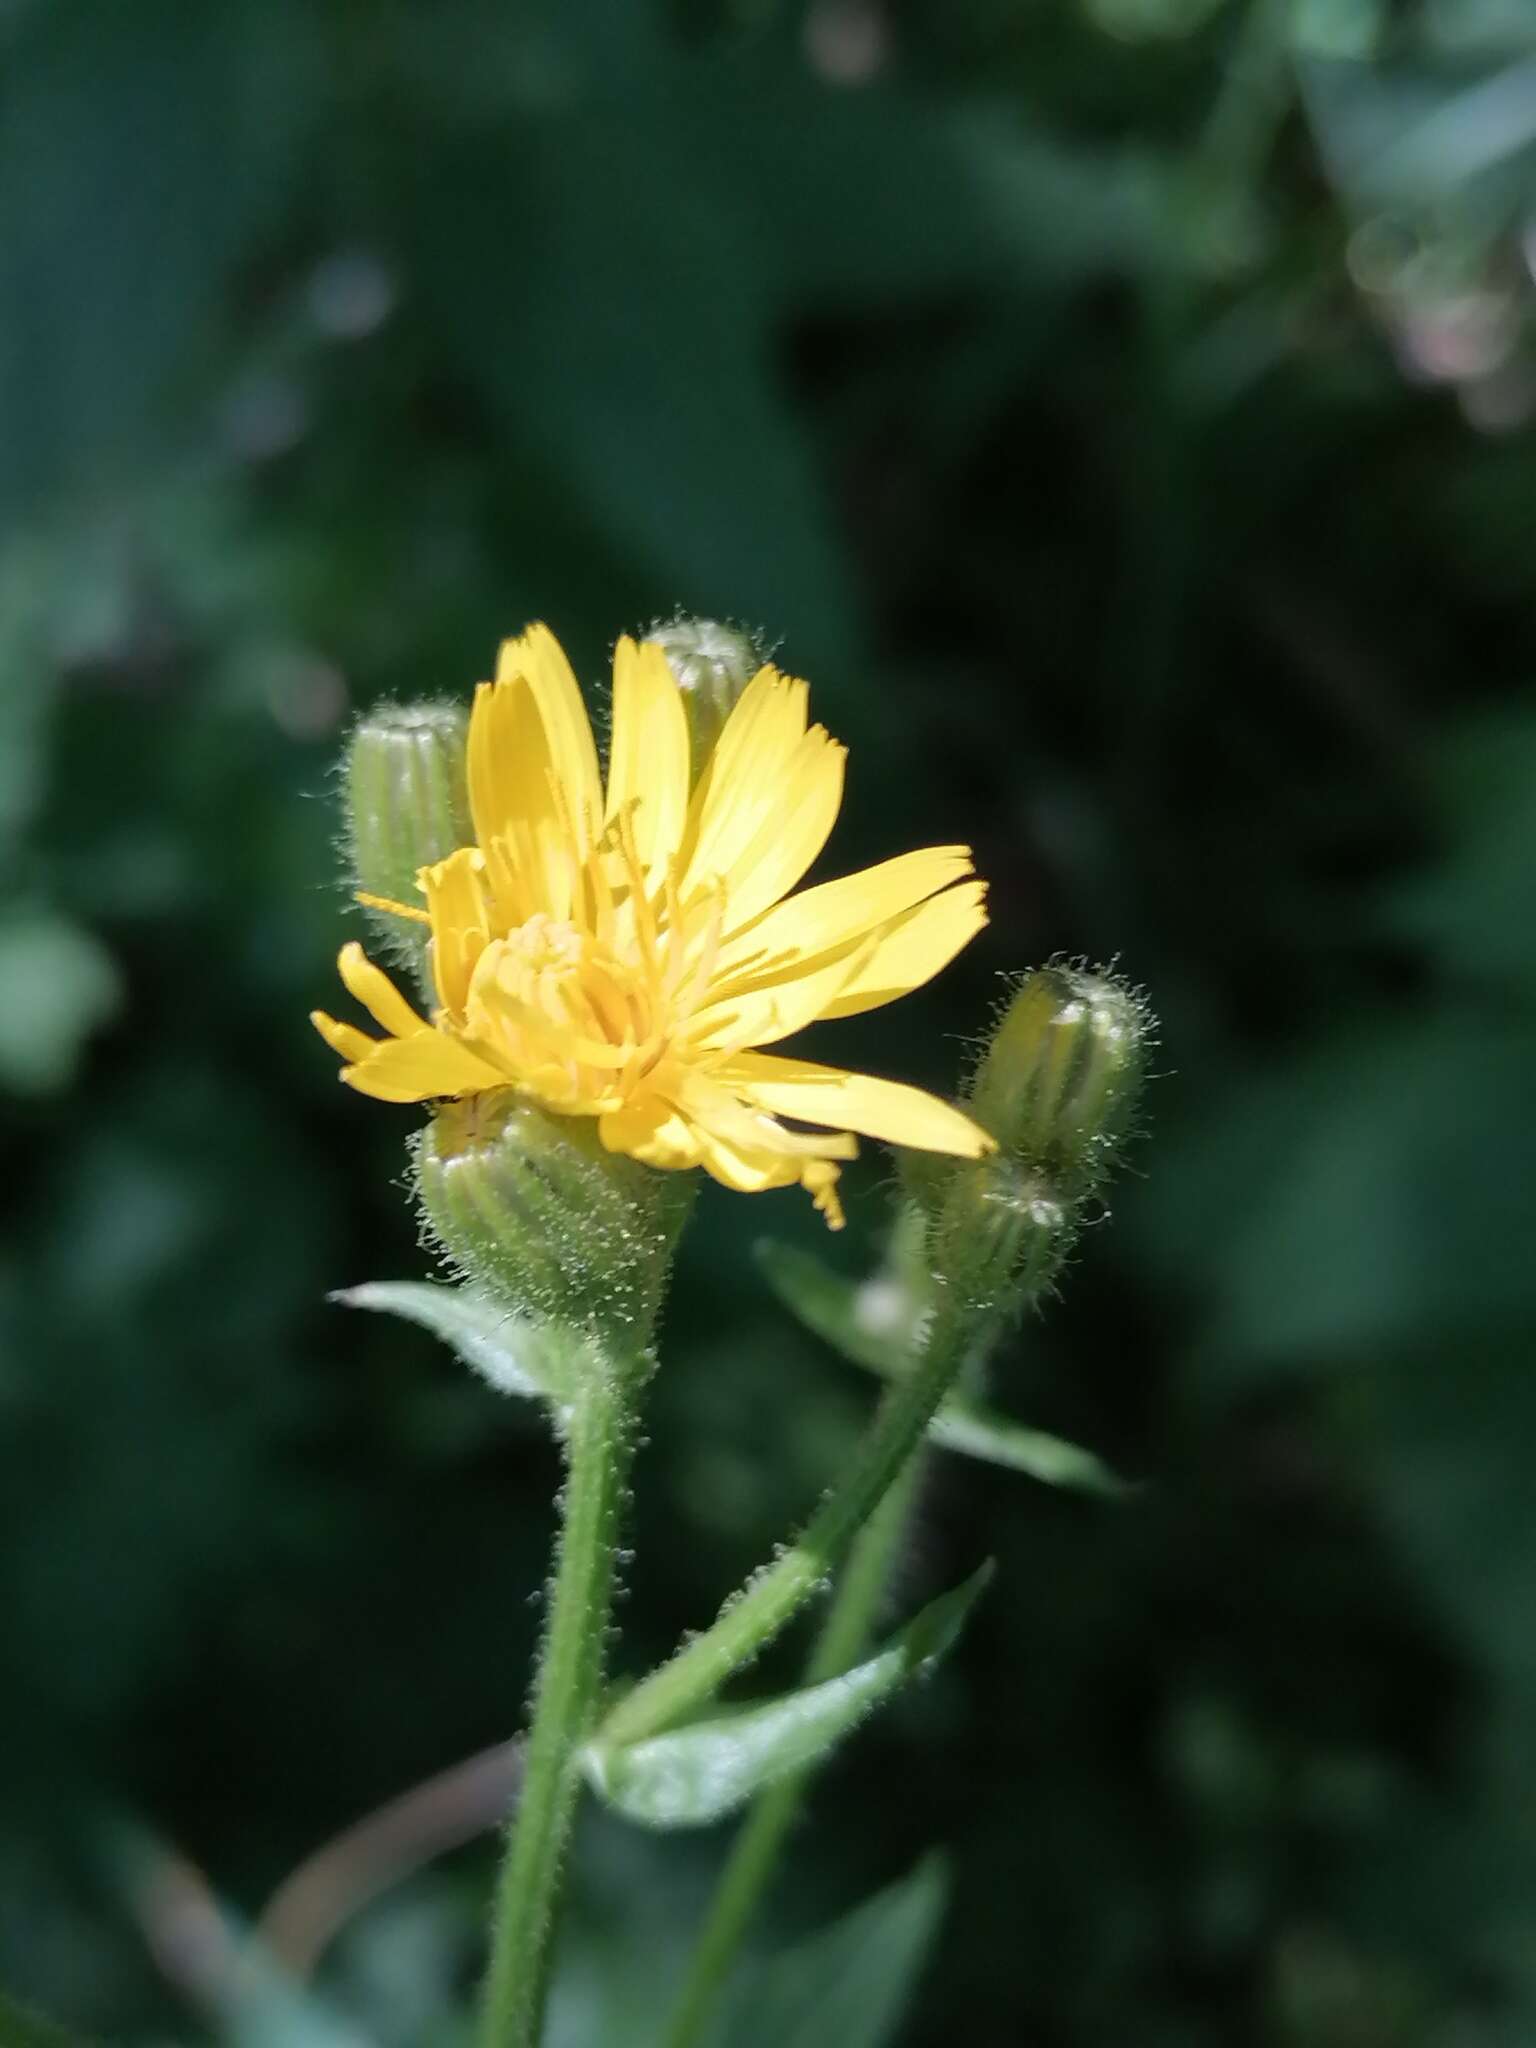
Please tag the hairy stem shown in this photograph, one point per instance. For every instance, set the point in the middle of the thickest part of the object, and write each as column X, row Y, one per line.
column 749, row 1621
column 754, row 1857
column 599, row 1445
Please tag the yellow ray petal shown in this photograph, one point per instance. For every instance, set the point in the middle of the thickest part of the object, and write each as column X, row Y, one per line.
column 913, row 950
column 345, row 1039
column 376, row 992
column 518, row 803
column 743, row 780
column 835, row 915
column 748, row 1173
column 538, row 657
column 720, row 1111
column 652, row 1130
column 794, row 827
column 421, row 1067
column 648, row 759
column 459, row 901
column 763, row 1016
column 856, row 1102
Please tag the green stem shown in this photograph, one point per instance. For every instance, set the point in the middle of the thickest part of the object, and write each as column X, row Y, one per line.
column 599, row 1445
column 755, row 1855
column 749, row 1621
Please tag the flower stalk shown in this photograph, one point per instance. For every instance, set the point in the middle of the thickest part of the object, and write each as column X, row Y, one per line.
column 756, row 1852
column 985, row 1239
column 747, row 1624
column 599, row 1436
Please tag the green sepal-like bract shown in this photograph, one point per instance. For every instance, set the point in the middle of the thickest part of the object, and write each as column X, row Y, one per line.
column 692, row 1775
column 407, row 805
column 537, row 1215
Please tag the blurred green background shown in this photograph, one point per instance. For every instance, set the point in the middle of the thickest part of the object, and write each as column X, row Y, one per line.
column 1121, row 410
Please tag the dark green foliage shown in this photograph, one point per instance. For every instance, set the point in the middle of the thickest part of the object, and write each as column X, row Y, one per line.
column 1118, row 409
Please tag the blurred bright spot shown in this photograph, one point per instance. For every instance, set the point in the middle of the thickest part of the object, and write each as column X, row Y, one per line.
column 1137, row 21
column 305, row 693
column 846, row 41
column 263, row 417
column 1380, row 252
column 1449, row 339
column 1503, row 401
column 351, row 294
column 1337, row 28
column 60, row 984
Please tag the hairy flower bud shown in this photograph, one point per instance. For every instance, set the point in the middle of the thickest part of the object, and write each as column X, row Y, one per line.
column 532, row 1208
column 407, row 806
column 1058, row 1083
column 713, row 664
column 1057, row 1087
column 1001, row 1233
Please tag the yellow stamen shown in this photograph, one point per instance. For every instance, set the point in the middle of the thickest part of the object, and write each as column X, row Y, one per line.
column 390, row 906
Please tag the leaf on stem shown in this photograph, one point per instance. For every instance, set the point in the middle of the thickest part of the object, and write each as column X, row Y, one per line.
column 851, row 1982
column 695, row 1774
column 870, row 1324
column 503, row 1348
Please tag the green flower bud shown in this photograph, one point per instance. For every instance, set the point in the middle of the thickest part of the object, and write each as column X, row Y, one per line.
column 532, row 1208
column 1001, row 1233
column 406, row 805
column 1057, row 1087
column 713, row 664
column 1058, row 1083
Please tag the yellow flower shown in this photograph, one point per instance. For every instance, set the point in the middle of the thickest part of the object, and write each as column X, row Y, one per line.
column 620, row 952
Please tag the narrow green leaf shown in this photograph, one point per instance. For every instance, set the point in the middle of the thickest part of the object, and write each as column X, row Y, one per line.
column 869, row 1323
column 851, row 1983
column 693, row 1775
column 505, row 1349
column 983, row 1433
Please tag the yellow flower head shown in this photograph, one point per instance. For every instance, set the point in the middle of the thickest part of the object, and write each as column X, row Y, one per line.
column 621, row 952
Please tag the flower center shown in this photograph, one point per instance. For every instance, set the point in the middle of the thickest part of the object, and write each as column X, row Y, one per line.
column 579, row 1026
column 544, row 945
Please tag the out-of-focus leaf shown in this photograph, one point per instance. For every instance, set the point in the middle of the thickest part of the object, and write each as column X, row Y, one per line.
column 852, row 1983
column 173, row 128
column 869, row 1323
column 60, row 983
column 1410, row 139
column 1399, row 1179
column 20, row 2028
column 504, row 1349
column 693, row 1775
column 274, row 2014
column 1472, row 907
